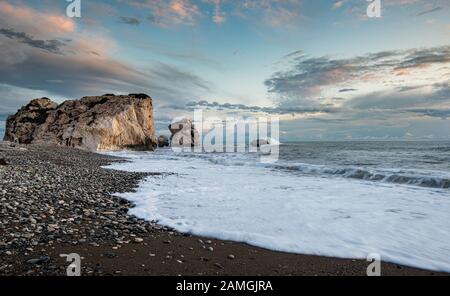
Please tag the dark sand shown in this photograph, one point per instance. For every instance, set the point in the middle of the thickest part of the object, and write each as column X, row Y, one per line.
column 109, row 248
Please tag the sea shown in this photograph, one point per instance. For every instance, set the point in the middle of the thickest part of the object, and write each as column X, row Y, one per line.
column 336, row 199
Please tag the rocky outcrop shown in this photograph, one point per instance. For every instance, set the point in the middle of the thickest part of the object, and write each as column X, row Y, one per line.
column 260, row 142
column 97, row 123
column 163, row 141
column 184, row 134
column 20, row 127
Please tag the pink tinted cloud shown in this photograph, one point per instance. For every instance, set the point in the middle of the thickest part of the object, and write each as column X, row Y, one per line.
column 39, row 23
column 169, row 13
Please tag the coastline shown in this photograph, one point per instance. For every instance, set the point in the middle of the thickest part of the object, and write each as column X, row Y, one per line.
column 60, row 201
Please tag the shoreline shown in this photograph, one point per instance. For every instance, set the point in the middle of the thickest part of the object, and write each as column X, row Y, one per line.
column 60, row 201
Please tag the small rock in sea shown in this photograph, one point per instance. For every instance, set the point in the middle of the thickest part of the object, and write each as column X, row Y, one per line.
column 208, row 242
column 210, row 249
column 138, row 240
column 231, row 256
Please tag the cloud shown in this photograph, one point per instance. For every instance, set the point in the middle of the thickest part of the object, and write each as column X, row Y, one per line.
column 258, row 109
column 440, row 113
column 381, row 95
column 85, row 65
column 130, row 20
column 36, row 22
column 389, row 100
column 308, row 76
column 53, row 46
column 347, row 90
column 169, row 13
column 78, row 76
column 339, row 4
column 275, row 13
column 429, row 11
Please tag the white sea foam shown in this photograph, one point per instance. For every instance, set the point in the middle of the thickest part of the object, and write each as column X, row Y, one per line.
column 282, row 211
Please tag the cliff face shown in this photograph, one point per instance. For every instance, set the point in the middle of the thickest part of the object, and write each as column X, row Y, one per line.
column 99, row 123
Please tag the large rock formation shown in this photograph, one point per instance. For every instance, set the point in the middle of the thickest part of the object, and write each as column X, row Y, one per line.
column 98, row 123
column 184, row 134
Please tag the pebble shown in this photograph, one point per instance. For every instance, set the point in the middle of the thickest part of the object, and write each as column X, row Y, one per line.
column 40, row 260
column 210, row 249
column 110, row 255
column 138, row 240
column 231, row 256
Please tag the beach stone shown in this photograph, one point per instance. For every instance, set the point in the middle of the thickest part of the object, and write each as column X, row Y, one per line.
column 110, row 255
column 3, row 162
column 40, row 260
column 138, row 240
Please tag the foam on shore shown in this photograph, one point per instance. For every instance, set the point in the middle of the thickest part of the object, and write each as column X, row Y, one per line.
column 274, row 209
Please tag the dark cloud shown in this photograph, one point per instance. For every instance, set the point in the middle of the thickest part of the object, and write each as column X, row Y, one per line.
column 130, row 20
column 347, row 90
column 76, row 75
column 440, row 113
column 421, row 57
column 53, row 46
column 269, row 110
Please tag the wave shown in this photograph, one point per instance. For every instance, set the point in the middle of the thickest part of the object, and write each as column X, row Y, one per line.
column 399, row 177
column 423, row 178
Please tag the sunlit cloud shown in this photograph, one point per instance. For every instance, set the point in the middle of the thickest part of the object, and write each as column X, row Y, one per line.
column 169, row 13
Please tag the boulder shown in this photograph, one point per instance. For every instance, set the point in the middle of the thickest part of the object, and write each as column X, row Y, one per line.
column 96, row 123
column 163, row 141
column 260, row 142
column 184, row 134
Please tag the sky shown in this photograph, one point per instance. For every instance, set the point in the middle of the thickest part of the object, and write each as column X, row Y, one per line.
column 326, row 69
